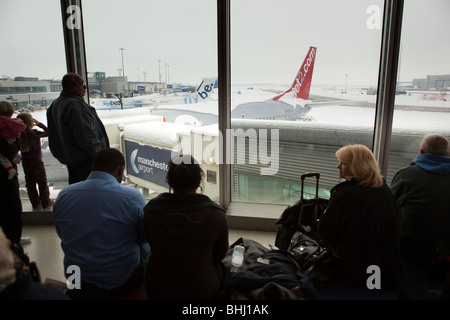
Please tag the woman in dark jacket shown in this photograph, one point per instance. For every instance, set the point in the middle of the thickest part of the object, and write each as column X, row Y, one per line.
column 188, row 236
column 361, row 221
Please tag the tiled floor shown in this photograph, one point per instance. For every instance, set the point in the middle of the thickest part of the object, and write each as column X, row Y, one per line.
column 45, row 248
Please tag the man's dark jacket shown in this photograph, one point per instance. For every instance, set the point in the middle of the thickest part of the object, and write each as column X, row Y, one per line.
column 75, row 132
column 422, row 191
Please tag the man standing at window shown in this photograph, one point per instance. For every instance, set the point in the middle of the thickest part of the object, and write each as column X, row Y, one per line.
column 75, row 132
column 422, row 193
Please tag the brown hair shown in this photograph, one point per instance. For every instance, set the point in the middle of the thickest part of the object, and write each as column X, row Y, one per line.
column 6, row 109
column 27, row 143
column 362, row 165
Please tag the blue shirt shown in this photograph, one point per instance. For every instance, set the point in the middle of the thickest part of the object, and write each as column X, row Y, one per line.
column 100, row 223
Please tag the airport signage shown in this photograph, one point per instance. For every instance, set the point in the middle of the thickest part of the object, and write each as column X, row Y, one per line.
column 147, row 162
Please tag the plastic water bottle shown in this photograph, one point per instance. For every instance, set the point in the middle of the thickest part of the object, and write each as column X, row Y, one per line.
column 237, row 259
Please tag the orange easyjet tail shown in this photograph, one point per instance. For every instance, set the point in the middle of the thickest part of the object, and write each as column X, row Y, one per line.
column 302, row 83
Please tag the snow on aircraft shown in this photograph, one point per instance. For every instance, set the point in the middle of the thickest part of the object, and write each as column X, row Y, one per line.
column 202, row 94
column 292, row 104
column 289, row 105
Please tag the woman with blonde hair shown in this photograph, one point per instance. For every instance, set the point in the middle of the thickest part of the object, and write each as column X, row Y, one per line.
column 360, row 224
column 358, row 162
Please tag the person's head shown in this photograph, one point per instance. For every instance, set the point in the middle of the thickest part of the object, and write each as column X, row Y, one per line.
column 435, row 144
column 111, row 161
column 27, row 137
column 357, row 162
column 6, row 109
column 7, row 270
column 74, row 83
column 27, row 119
column 184, row 174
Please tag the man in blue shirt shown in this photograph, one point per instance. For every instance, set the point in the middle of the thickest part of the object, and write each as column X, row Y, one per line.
column 99, row 221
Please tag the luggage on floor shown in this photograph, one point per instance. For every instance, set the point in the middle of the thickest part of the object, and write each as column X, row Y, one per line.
column 301, row 215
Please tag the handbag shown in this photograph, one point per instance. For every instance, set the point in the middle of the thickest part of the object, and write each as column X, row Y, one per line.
column 305, row 250
column 23, row 264
column 313, row 258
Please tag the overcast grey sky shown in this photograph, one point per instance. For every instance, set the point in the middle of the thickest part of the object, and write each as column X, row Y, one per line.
column 269, row 39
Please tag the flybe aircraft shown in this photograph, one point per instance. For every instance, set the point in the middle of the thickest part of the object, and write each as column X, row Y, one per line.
column 337, row 118
column 292, row 104
column 202, row 94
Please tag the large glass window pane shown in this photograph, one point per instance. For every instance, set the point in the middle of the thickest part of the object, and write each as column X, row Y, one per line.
column 422, row 102
column 276, row 46
column 32, row 63
column 152, row 75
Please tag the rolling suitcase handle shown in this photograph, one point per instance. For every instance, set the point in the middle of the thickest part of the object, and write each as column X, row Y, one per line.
column 301, row 215
column 306, row 175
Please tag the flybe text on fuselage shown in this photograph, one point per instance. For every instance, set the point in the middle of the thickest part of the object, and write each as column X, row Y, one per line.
column 203, row 92
column 304, row 71
column 111, row 103
column 190, row 100
column 207, row 89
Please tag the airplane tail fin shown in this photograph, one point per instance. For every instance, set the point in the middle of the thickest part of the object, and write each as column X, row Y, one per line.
column 205, row 88
column 302, row 83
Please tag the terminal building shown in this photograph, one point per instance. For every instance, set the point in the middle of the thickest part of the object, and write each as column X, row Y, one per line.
column 32, row 93
column 433, row 82
column 27, row 93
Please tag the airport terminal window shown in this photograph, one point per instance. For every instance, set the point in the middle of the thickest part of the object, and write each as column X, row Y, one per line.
column 422, row 103
column 146, row 57
column 31, row 58
column 169, row 48
column 338, row 42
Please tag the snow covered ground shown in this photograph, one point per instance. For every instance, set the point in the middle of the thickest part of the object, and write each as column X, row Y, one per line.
column 355, row 111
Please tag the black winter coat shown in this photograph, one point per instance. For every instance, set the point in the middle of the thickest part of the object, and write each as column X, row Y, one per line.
column 188, row 236
column 424, row 200
column 75, row 132
column 361, row 225
column 10, row 203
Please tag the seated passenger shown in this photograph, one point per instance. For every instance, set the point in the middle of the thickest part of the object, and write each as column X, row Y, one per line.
column 361, row 221
column 422, row 191
column 188, row 234
column 100, row 223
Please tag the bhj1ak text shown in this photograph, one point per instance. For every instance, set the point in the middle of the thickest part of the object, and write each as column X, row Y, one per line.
column 229, row 309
